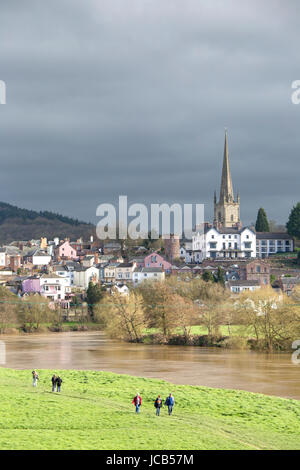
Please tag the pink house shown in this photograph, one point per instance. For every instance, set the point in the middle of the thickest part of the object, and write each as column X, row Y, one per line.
column 154, row 260
column 67, row 251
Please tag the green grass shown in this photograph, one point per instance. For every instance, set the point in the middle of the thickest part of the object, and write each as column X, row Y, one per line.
column 235, row 330
column 94, row 411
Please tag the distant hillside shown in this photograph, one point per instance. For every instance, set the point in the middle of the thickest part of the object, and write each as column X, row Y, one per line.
column 24, row 224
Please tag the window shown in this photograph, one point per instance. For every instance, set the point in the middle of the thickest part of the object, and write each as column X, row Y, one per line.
column 258, row 269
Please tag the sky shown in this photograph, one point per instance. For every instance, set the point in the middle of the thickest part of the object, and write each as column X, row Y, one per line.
column 131, row 97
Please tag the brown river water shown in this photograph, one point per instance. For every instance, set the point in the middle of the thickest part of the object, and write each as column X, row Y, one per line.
column 272, row 374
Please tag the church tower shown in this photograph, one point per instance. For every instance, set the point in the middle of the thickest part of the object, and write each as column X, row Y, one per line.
column 227, row 210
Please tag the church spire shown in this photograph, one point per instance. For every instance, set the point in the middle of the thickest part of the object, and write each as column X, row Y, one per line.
column 226, row 192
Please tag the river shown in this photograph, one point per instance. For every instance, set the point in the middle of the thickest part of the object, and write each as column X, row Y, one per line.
column 272, row 374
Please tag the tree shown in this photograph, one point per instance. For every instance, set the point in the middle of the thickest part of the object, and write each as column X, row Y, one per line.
column 293, row 224
column 94, row 294
column 160, row 306
column 220, row 276
column 33, row 311
column 123, row 315
column 213, row 308
column 272, row 318
column 207, row 276
column 298, row 257
column 262, row 224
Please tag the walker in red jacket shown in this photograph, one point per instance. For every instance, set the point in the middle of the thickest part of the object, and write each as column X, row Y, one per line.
column 137, row 402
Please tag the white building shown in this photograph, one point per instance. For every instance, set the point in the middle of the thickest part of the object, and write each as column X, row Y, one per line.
column 124, row 272
column 226, row 243
column 270, row 243
column 239, row 286
column 2, row 257
column 54, row 287
column 83, row 276
column 39, row 258
column 147, row 274
column 64, row 272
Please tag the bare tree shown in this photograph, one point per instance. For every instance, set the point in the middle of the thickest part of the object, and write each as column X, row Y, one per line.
column 273, row 318
column 123, row 315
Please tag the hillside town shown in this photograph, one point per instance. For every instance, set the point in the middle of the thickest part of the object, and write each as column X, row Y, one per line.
column 62, row 270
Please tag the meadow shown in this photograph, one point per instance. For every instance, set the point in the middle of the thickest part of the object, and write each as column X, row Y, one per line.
column 94, row 411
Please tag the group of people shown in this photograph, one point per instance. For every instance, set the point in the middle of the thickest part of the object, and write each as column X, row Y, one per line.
column 137, row 401
column 158, row 403
column 56, row 381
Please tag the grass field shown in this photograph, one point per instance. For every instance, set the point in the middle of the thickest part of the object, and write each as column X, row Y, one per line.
column 232, row 330
column 94, row 411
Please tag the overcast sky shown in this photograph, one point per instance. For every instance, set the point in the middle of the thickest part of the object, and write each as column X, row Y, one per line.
column 113, row 97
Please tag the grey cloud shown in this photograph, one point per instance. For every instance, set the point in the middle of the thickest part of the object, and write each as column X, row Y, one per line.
column 108, row 98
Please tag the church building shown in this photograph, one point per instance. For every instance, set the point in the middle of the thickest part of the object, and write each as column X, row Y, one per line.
column 227, row 209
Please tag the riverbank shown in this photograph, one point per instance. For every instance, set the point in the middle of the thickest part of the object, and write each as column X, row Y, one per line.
column 94, row 411
column 63, row 327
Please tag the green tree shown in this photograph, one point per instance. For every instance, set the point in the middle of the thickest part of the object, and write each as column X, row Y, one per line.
column 94, row 294
column 262, row 224
column 208, row 276
column 293, row 224
column 220, row 276
column 298, row 258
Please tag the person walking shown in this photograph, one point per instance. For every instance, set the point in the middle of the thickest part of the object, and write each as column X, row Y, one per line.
column 170, row 402
column 158, row 405
column 53, row 380
column 35, row 377
column 137, row 402
column 58, row 383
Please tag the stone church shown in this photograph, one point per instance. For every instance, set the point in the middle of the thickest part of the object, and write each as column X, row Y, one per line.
column 227, row 209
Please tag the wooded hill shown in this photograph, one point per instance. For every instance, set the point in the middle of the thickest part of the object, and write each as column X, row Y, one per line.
column 24, row 224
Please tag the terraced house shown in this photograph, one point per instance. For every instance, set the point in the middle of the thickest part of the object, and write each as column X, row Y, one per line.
column 124, row 272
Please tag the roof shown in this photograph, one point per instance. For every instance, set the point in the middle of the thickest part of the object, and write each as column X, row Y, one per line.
column 149, row 270
column 125, row 265
column 273, row 236
column 50, row 276
column 229, row 230
column 244, row 283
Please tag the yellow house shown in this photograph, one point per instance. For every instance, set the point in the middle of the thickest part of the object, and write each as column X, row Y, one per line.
column 43, row 243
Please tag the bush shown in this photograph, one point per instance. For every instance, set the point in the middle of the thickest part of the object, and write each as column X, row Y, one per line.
column 235, row 342
column 207, row 340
